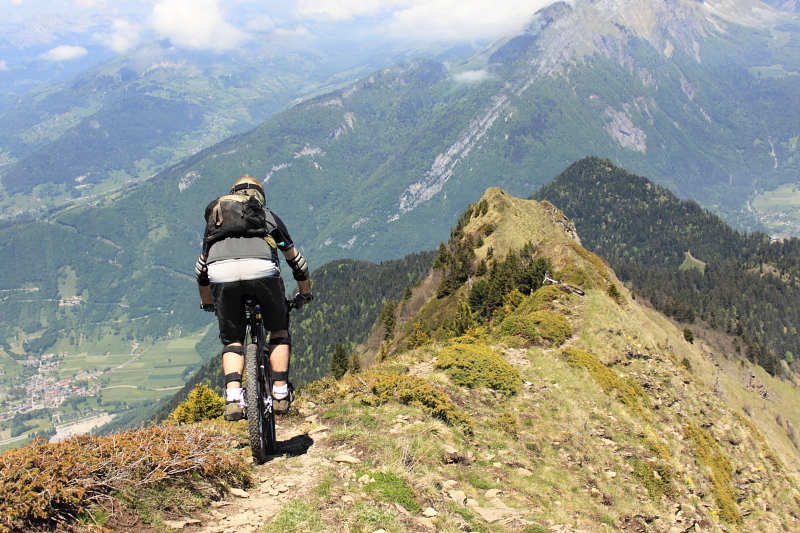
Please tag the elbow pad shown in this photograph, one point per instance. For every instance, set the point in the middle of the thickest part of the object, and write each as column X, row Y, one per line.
column 299, row 267
column 201, row 273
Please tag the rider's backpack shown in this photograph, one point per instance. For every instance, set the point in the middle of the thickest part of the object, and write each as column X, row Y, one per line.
column 237, row 215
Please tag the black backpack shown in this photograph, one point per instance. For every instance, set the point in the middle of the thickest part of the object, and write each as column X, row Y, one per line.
column 238, row 215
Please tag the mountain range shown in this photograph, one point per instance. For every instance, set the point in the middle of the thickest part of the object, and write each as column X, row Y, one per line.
column 374, row 170
column 562, row 411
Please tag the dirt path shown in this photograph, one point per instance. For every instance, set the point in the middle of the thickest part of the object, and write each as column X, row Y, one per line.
column 289, row 476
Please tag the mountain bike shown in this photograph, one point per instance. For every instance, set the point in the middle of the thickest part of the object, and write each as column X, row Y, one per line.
column 258, row 383
column 550, row 281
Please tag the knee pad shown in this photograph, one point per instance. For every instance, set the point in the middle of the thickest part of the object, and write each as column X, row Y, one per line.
column 233, row 376
column 281, row 341
column 233, row 349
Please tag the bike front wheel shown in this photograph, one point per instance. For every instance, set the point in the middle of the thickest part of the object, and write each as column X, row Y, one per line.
column 260, row 415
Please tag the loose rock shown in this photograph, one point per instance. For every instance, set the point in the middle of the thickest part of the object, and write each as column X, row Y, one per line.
column 344, row 458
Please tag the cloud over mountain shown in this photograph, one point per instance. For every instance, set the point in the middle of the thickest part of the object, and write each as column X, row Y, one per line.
column 64, row 53
column 465, row 20
column 195, row 24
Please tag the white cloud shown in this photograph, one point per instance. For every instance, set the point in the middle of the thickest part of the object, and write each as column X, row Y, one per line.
column 262, row 23
column 471, row 76
column 347, row 9
column 90, row 4
column 195, row 24
column 124, row 37
column 459, row 20
column 3, row 65
column 64, row 53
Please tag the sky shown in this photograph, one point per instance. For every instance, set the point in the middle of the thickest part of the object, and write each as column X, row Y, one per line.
column 222, row 25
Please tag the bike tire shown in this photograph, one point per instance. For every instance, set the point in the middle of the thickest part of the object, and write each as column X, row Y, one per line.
column 260, row 417
column 576, row 289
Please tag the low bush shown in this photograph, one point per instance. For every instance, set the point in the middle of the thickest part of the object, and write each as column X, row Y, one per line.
column 47, row 482
column 540, row 328
column 656, row 478
column 412, row 390
column 710, row 455
column 541, row 299
column 201, row 404
column 507, row 423
column 477, row 365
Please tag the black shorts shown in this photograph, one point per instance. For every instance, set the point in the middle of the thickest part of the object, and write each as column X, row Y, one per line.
column 229, row 306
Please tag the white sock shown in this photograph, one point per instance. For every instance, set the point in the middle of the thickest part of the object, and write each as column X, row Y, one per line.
column 233, row 395
column 280, row 392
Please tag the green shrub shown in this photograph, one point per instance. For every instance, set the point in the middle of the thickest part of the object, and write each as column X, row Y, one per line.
column 412, row 390
column 506, row 423
column 201, row 404
column 323, row 391
column 656, row 478
column 477, row 365
column 628, row 391
column 541, row 328
column 389, row 488
column 541, row 299
column 710, row 455
column 615, row 295
column 419, row 336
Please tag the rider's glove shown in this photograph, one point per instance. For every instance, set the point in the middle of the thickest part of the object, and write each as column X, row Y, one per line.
column 302, row 299
column 207, row 307
column 201, row 272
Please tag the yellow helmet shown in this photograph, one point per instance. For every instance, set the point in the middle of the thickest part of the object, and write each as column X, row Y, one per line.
column 250, row 186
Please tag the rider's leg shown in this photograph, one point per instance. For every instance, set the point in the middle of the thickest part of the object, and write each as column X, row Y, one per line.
column 232, row 368
column 279, row 354
column 280, row 346
column 233, row 365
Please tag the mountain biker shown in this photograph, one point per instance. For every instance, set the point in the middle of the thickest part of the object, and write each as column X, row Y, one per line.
column 235, row 266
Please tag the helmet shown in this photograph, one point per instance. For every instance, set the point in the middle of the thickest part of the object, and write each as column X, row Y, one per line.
column 250, row 186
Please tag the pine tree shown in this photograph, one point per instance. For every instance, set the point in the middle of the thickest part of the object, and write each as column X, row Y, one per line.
column 201, row 404
column 339, row 361
column 463, row 321
column 384, row 351
column 355, row 364
column 419, row 336
column 388, row 319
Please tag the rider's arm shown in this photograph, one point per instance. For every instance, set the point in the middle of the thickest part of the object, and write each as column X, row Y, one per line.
column 201, row 273
column 299, row 269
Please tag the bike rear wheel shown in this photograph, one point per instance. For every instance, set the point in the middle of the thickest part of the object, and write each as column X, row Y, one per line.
column 260, row 416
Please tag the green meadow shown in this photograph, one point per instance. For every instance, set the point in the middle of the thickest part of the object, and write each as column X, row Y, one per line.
column 780, row 209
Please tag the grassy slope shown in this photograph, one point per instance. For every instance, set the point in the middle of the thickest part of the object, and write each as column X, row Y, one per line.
column 564, row 453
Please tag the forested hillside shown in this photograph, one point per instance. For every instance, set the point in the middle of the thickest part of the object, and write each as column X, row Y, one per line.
column 749, row 286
